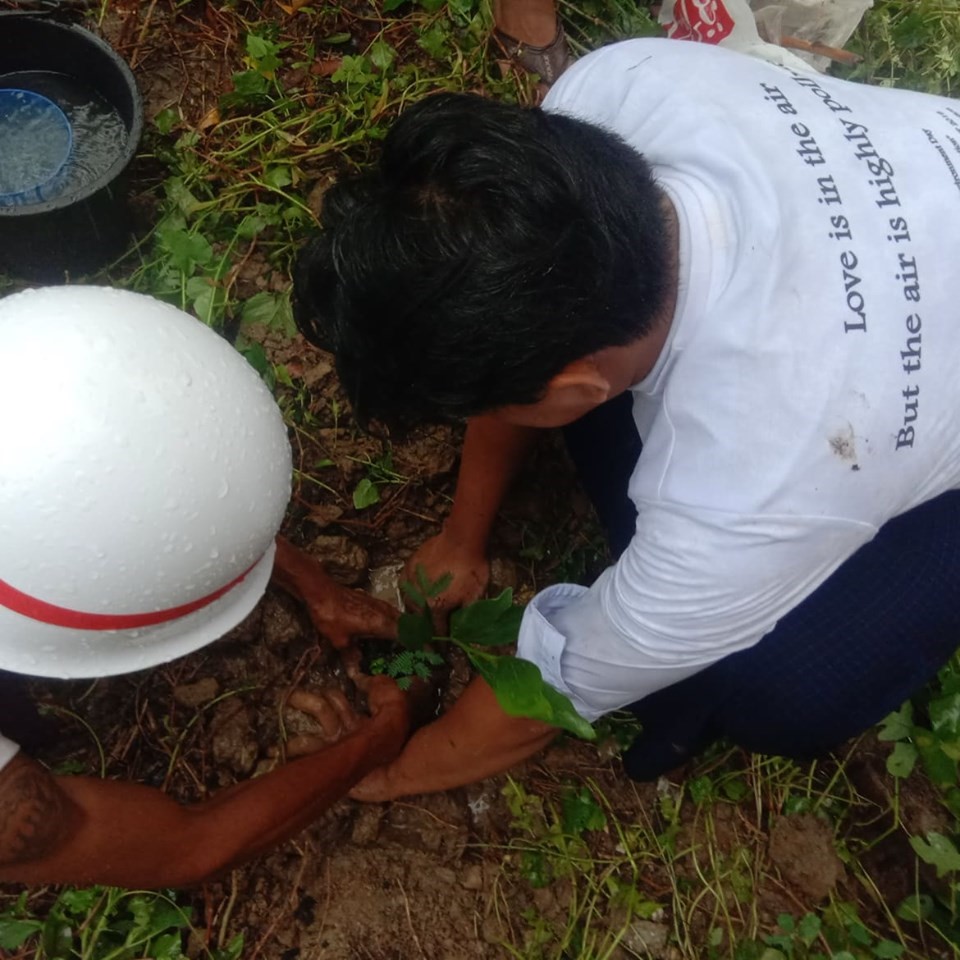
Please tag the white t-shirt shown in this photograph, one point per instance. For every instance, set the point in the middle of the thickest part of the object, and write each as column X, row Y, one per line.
column 8, row 750
column 808, row 392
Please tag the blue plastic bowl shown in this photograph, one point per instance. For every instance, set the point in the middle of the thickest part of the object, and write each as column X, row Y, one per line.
column 35, row 144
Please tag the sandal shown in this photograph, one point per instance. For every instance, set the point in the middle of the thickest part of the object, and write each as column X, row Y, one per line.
column 546, row 62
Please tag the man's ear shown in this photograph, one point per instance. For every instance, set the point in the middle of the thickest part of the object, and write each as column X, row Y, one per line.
column 579, row 387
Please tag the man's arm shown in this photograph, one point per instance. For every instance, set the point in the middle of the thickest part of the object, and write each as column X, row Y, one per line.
column 492, row 454
column 82, row 830
column 473, row 740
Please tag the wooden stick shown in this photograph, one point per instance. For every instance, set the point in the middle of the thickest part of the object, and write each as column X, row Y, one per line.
column 821, row 50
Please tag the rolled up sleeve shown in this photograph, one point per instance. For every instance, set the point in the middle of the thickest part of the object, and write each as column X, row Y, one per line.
column 8, row 750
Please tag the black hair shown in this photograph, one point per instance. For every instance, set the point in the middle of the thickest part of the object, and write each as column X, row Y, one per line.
column 492, row 246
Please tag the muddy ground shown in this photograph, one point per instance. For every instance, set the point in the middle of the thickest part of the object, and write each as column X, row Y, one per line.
column 448, row 877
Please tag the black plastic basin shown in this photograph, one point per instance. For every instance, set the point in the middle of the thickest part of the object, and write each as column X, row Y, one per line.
column 87, row 225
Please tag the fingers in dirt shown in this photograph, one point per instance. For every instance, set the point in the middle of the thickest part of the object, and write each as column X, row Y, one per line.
column 326, row 708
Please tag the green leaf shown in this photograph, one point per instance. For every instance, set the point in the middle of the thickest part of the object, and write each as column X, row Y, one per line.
column 270, row 309
column 79, row 902
column 915, row 908
column 579, row 811
column 424, row 589
column 365, row 494
column 14, row 933
column 735, row 789
column 57, row 937
column 263, row 53
column 434, row 42
column 257, row 358
column 179, row 196
column 433, row 588
column 278, row 177
column 902, row 760
column 208, row 299
column 701, row 790
column 535, row 869
column 521, row 692
column 945, row 716
column 382, row 54
column 937, row 850
column 939, row 766
column 897, row 726
column 354, row 71
column 248, row 85
column 490, row 623
column 786, row 922
column 232, row 951
column 186, row 250
column 888, row 950
column 166, row 120
column 251, row 225
column 415, row 630
column 808, row 929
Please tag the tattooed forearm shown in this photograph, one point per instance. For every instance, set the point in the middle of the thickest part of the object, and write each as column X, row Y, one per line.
column 35, row 816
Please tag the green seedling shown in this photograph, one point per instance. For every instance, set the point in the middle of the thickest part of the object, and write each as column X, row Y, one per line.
column 379, row 473
column 478, row 629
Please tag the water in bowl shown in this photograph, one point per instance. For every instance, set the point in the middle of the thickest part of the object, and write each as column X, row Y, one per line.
column 34, row 146
column 99, row 133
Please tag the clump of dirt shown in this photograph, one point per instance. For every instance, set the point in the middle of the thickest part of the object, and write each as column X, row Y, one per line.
column 802, row 848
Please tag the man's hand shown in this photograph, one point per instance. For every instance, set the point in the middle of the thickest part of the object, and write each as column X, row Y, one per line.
column 338, row 613
column 445, row 554
column 475, row 739
column 389, row 719
column 492, row 452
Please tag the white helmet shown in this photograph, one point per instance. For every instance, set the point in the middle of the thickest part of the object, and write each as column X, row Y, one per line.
column 144, row 472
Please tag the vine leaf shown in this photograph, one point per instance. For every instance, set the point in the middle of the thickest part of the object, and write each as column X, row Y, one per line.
column 488, row 623
column 521, row 692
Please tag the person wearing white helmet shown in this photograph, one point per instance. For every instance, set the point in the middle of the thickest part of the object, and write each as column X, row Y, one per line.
column 139, row 504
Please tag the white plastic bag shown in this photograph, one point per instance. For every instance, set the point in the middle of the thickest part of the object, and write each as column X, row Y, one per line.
column 732, row 23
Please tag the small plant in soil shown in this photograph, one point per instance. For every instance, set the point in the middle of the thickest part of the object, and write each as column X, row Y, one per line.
column 478, row 629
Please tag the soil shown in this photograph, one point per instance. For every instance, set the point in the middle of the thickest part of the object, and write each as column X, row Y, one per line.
column 439, row 877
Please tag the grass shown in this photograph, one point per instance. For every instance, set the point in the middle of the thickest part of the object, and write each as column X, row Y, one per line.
column 232, row 170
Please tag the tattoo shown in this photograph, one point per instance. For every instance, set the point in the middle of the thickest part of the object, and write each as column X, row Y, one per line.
column 34, row 813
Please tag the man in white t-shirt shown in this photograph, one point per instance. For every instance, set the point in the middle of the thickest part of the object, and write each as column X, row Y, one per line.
column 750, row 271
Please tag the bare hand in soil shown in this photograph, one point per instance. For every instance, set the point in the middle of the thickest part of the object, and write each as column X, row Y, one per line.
column 442, row 555
column 389, row 716
column 338, row 613
column 332, row 711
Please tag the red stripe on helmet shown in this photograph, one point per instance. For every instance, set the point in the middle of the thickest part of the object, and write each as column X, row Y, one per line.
column 36, row 609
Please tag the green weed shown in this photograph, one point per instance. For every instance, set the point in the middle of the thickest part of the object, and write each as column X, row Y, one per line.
column 103, row 923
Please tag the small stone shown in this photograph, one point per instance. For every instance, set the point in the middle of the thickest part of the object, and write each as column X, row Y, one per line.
column 280, row 626
column 232, row 738
column 385, row 584
column 343, row 559
column 197, row 693
column 646, row 938
column 323, row 514
column 503, row 575
column 471, row 877
column 366, row 827
column 492, row 930
column 317, row 370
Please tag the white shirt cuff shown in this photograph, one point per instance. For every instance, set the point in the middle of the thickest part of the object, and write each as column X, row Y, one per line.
column 8, row 750
column 542, row 643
